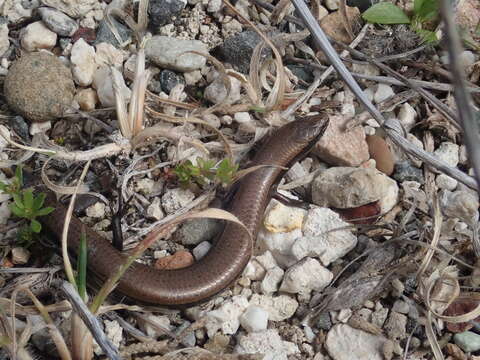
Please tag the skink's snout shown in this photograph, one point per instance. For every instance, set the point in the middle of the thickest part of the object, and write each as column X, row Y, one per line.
column 311, row 128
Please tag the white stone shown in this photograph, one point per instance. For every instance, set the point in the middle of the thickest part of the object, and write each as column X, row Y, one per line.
column 359, row 186
column 214, row 5
column 20, row 255
column 83, row 62
column 279, row 308
column 460, row 204
column 266, row 260
column 383, row 92
column 242, row 117
column 175, row 199
column 279, row 245
column 254, row 271
column 73, row 8
column 3, row 141
column 87, row 99
column 448, row 152
column 172, row 53
column 201, row 250
column 467, row 59
column 281, row 218
column 407, row 116
column 192, row 77
column 4, row 41
column 226, row 317
column 40, row 127
column 346, row 343
column 154, row 210
column 268, row 342
column 145, row 186
column 343, row 315
column 463, row 155
column 332, row 4
column 322, row 12
column 36, row 36
column 103, row 83
column 109, row 55
column 113, row 330
column 216, row 92
column 415, row 141
column 272, row 280
column 97, row 210
column 254, row 319
column 446, row 182
column 306, row 275
column 320, row 241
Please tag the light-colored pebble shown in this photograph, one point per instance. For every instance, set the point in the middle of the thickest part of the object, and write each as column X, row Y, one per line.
column 108, row 55
column 175, row 199
column 254, row 319
column 216, row 92
column 407, row 116
column 201, row 250
column 281, row 218
column 103, row 83
column 83, row 62
column 227, row 317
column 446, row 182
column 396, row 326
column 20, row 255
column 87, row 99
column 4, row 41
column 383, row 92
column 306, row 275
column 272, row 280
column 192, row 77
column 39, row 128
column 346, row 343
column 154, row 210
column 36, row 36
column 319, row 241
column 97, row 210
column 448, row 152
column 267, row 342
column 279, row 308
column 460, row 204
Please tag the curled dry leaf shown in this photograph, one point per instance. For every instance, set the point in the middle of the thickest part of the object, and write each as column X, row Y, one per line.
column 365, row 214
column 461, row 307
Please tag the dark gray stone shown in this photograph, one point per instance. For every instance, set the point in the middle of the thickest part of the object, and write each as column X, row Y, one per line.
column 169, row 79
column 238, row 50
column 57, row 21
column 324, row 322
column 161, row 12
column 20, row 126
column 195, row 231
column 104, row 34
column 303, row 72
column 405, row 171
column 154, row 86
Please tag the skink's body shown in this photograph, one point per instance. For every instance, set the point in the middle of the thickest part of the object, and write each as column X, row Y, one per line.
column 227, row 258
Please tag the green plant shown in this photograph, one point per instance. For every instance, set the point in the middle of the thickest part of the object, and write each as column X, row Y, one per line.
column 206, row 171
column 25, row 205
column 424, row 11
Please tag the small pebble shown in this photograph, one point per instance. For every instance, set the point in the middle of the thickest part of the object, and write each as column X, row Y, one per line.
column 448, row 152
column 383, row 92
column 380, row 152
column 58, row 22
column 36, row 36
column 20, row 255
column 179, row 260
column 201, row 250
column 468, row 341
column 254, row 319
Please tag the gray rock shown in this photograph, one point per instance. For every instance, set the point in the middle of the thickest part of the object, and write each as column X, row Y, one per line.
column 302, row 72
column 238, row 50
column 20, row 126
column 161, row 12
column 195, row 231
column 468, row 341
column 39, row 87
column 170, row 53
column 324, row 322
column 405, row 171
column 57, row 21
column 104, row 34
column 169, row 79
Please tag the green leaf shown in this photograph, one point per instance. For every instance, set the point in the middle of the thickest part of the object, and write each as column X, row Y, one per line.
column 35, row 226
column 28, row 199
column 38, row 201
column 426, row 10
column 45, row 211
column 18, row 201
column 385, row 13
column 429, row 37
column 3, row 187
column 17, row 211
column 19, row 175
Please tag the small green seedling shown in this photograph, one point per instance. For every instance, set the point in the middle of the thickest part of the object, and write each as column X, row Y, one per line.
column 26, row 205
column 424, row 11
column 206, row 171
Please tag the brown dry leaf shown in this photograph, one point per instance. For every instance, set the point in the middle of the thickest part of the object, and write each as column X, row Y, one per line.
column 461, row 307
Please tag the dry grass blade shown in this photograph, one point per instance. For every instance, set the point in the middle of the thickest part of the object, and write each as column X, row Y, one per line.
column 178, row 104
column 6, row 135
column 275, row 98
column 120, row 101
column 90, row 321
column 437, row 227
column 52, row 329
column 60, row 189
column 137, row 100
column 281, row 9
column 345, row 19
column 68, row 216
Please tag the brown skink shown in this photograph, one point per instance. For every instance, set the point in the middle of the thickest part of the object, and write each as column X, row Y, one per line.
column 229, row 255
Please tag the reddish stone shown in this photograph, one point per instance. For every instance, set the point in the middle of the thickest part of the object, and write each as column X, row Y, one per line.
column 366, row 214
column 179, row 260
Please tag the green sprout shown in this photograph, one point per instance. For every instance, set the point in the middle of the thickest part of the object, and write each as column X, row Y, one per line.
column 26, row 205
column 424, row 11
column 206, row 171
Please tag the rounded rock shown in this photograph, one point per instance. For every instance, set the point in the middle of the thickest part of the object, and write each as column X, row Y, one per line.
column 380, row 151
column 39, row 87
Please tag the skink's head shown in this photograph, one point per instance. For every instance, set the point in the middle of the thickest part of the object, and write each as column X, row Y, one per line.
column 309, row 129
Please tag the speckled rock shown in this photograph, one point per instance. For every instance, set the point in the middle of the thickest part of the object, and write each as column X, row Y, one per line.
column 104, row 34
column 39, row 87
column 58, row 22
column 161, row 12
